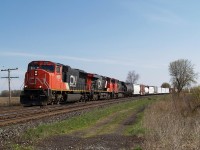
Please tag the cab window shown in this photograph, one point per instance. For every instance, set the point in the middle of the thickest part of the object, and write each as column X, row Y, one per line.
column 33, row 67
column 49, row 68
column 58, row 69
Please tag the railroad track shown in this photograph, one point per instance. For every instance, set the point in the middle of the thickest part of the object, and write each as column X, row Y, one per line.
column 21, row 115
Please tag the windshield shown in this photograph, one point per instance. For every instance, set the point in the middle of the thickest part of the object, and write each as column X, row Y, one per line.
column 49, row 68
column 33, row 66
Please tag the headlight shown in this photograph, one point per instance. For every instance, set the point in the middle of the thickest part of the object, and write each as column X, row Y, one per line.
column 36, row 72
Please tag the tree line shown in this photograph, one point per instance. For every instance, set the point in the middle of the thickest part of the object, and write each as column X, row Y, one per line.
column 14, row 93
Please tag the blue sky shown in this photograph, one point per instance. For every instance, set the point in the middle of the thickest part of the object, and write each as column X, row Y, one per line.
column 108, row 37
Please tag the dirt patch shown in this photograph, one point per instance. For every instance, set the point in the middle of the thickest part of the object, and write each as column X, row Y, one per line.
column 133, row 118
column 103, row 142
column 128, row 121
column 96, row 129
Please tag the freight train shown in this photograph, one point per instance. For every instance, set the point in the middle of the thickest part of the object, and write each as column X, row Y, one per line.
column 47, row 82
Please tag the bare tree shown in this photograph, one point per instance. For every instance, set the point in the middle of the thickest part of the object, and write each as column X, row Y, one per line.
column 132, row 77
column 182, row 73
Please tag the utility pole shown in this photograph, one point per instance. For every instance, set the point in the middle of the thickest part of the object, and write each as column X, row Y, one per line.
column 9, row 78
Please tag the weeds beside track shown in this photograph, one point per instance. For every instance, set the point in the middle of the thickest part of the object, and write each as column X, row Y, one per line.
column 172, row 124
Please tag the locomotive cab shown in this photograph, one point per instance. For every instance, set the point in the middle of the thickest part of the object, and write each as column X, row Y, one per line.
column 38, row 75
column 41, row 77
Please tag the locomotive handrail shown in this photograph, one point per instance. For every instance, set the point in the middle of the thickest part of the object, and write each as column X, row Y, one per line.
column 47, row 85
column 45, row 82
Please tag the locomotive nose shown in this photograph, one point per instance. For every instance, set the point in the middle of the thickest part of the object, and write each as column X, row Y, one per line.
column 37, row 79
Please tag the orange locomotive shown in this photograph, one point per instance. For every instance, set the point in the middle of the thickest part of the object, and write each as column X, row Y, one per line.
column 47, row 82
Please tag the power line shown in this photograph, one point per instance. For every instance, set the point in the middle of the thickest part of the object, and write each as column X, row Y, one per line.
column 9, row 78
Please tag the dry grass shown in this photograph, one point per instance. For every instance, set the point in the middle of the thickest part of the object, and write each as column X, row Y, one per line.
column 4, row 101
column 171, row 125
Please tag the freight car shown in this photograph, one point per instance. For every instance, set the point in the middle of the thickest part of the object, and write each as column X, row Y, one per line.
column 47, row 82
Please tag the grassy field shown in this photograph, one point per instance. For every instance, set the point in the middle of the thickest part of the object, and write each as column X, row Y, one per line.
column 87, row 120
column 97, row 122
column 165, row 122
column 4, row 101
